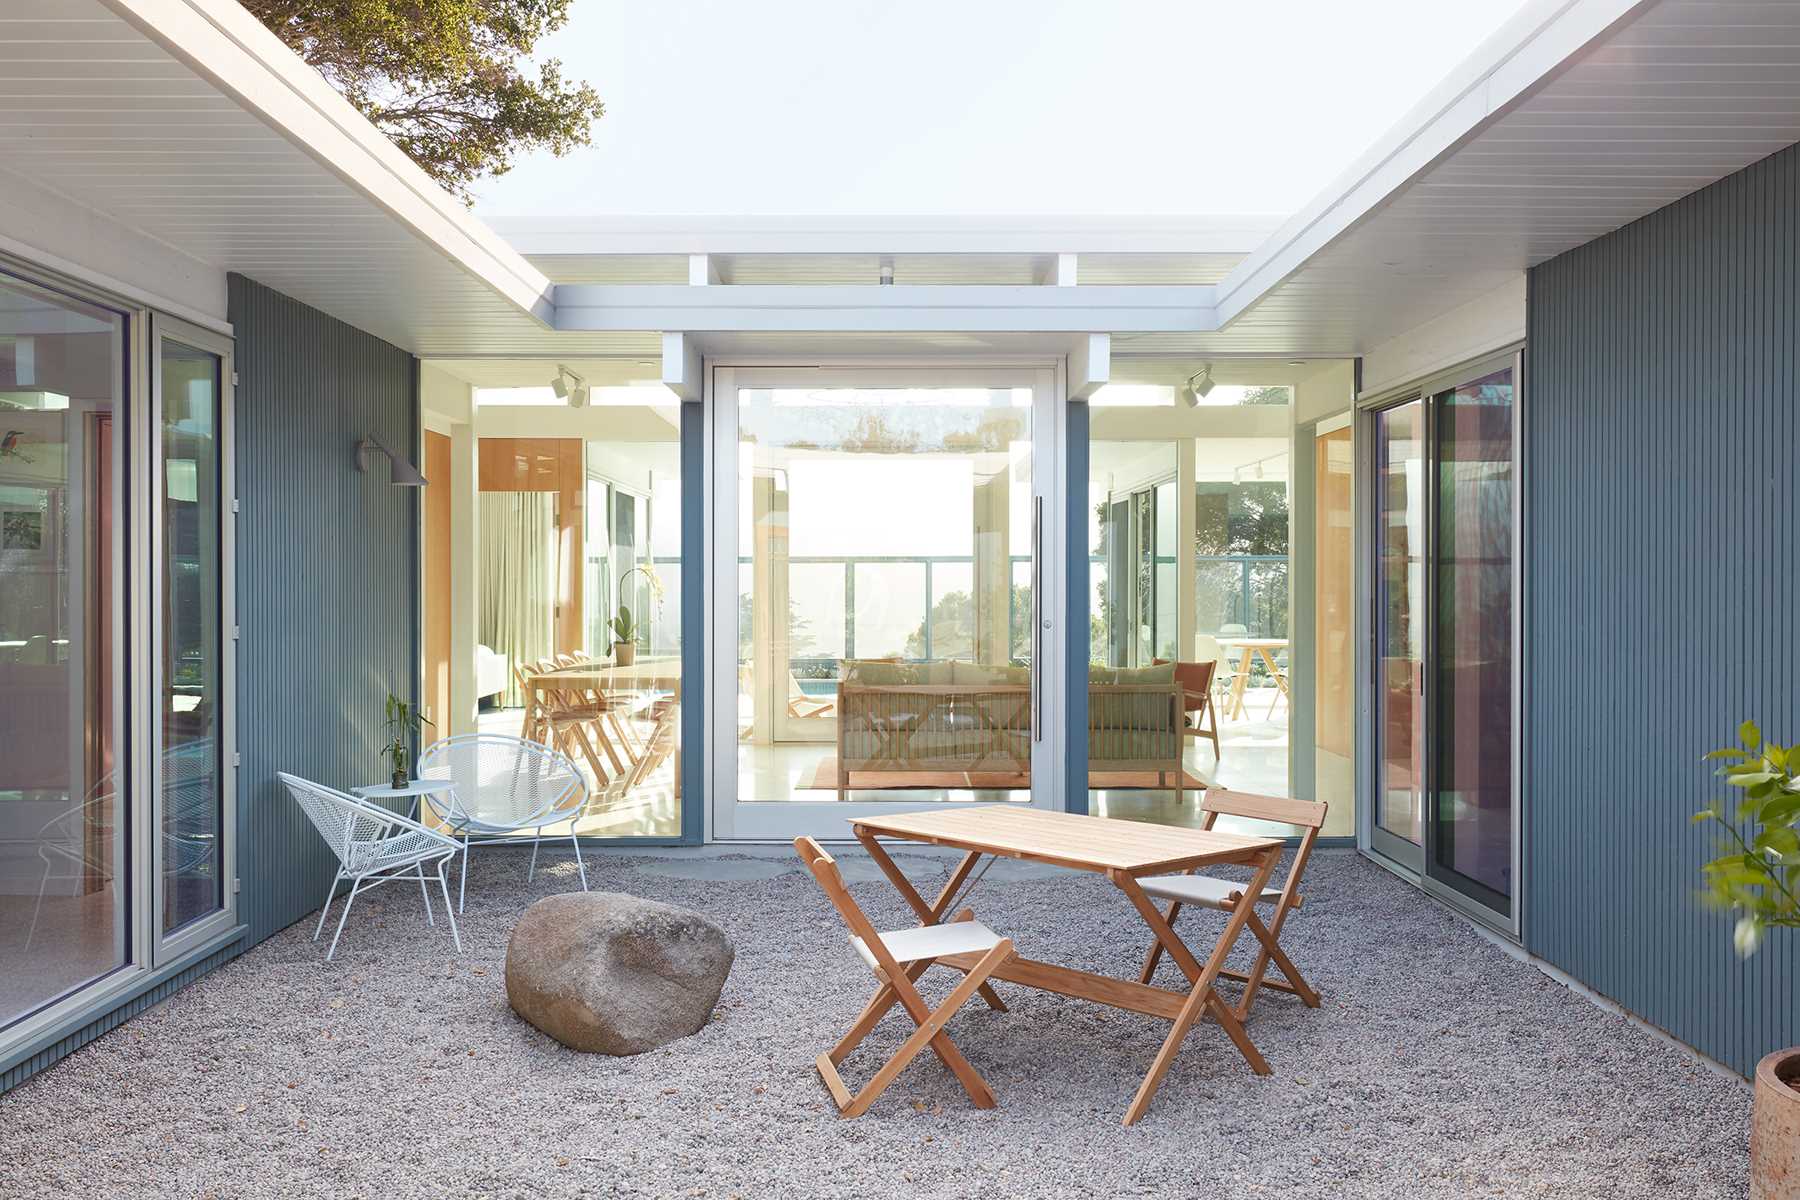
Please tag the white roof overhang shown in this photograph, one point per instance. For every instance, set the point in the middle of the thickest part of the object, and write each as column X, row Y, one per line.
column 188, row 121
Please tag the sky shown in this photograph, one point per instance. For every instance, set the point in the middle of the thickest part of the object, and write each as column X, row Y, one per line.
column 1024, row 107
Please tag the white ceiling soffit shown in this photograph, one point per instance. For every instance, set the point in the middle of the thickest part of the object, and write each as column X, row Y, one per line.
column 190, row 122
column 1578, row 117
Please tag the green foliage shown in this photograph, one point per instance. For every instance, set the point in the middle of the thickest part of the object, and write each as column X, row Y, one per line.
column 445, row 79
column 624, row 626
column 403, row 722
column 1757, row 875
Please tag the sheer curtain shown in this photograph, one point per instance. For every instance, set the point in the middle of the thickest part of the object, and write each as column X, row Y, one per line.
column 518, row 579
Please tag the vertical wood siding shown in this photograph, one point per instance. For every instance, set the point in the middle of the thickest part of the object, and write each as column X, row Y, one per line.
column 1661, row 467
column 327, row 567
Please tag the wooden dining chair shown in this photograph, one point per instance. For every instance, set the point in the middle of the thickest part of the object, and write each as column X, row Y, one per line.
column 898, row 959
column 1199, row 713
column 1225, row 894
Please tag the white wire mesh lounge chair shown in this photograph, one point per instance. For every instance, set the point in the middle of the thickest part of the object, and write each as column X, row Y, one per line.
column 76, row 845
column 373, row 846
column 502, row 786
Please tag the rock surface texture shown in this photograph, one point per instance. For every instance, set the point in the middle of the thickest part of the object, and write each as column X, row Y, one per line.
column 609, row 973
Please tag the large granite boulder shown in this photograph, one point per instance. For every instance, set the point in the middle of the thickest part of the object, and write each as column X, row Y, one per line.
column 612, row 974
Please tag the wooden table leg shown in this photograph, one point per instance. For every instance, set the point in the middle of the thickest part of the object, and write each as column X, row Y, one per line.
column 1236, row 708
column 928, row 914
column 1202, row 997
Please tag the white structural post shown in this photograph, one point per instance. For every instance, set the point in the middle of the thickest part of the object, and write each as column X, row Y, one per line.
column 1090, row 364
column 1066, row 269
column 465, row 578
column 682, row 363
column 702, row 270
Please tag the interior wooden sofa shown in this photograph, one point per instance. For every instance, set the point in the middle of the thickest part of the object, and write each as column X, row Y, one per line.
column 962, row 724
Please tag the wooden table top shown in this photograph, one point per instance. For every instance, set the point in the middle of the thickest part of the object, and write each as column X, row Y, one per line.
column 661, row 671
column 1251, row 643
column 1068, row 839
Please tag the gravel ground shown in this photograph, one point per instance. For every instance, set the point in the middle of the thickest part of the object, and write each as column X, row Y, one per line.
column 1438, row 1066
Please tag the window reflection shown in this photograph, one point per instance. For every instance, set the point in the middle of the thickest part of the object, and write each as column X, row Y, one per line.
column 62, row 813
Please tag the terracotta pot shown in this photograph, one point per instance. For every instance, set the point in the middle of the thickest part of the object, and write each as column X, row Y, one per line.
column 624, row 653
column 1775, row 1128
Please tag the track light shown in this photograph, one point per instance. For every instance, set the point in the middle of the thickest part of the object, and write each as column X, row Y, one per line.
column 571, row 387
column 1198, row 386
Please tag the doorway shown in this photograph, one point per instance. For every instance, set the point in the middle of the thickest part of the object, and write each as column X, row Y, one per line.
column 892, row 638
column 1444, row 624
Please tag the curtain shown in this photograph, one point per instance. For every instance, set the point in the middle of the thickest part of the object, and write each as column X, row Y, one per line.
column 518, row 579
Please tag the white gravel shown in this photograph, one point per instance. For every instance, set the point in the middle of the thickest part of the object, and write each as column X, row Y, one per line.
column 1438, row 1066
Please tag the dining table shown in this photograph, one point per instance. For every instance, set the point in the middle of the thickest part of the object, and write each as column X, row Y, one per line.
column 658, row 673
column 1121, row 852
column 1252, row 648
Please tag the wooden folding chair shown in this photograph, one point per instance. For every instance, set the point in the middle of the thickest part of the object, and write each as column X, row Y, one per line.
column 898, row 959
column 1225, row 895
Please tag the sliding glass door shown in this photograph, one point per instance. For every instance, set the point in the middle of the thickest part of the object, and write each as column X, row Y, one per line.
column 115, row 820
column 192, row 374
column 1444, row 624
column 886, row 642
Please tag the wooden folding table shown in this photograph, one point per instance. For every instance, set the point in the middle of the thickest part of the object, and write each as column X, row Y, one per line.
column 1123, row 851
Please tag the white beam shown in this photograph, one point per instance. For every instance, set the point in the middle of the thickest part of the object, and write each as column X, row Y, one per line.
column 681, row 365
column 1090, row 365
column 702, row 270
column 899, row 308
column 1066, row 265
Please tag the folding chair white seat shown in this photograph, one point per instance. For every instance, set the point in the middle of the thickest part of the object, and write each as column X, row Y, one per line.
column 898, row 959
column 1205, row 891
column 1201, row 889
column 930, row 941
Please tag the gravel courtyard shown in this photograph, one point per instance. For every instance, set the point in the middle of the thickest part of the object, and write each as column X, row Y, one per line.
column 1438, row 1066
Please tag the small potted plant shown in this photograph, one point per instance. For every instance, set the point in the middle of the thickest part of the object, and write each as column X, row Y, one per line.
column 403, row 722
column 625, row 633
column 1758, row 877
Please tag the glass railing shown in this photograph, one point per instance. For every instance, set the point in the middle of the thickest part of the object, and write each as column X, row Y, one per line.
column 917, row 607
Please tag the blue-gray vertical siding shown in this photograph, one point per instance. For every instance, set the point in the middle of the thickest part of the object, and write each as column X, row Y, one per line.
column 327, row 571
column 1075, row 588
column 1661, row 524
column 693, row 622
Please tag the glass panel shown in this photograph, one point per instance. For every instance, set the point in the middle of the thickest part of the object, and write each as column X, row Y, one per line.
column 892, row 527
column 193, row 883
column 1213, row 602
column 63, row 818
column 1399, row 506
column 604, row 479
column 1472, row 835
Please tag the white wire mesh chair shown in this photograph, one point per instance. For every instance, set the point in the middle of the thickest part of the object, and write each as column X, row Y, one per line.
column 373, row 846
column 502, row 786
column 76, row 845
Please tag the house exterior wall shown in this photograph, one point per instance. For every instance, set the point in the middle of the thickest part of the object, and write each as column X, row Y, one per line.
column 44, row 228
column 1662, row 505
column 328, row 580
column 1483, row 325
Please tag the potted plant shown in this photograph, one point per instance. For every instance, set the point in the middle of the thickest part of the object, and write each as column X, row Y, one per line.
column 1758, row 877
column 625, row 632
column 403, row 722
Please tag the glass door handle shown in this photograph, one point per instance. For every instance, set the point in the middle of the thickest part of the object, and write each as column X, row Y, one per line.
column 1037, row 623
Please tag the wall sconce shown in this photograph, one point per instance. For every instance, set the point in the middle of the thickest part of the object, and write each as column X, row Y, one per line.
column 404, row 473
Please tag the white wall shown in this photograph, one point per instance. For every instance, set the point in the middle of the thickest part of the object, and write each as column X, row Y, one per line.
column 1486, row 323
column 1324, row 392
column 51, row 231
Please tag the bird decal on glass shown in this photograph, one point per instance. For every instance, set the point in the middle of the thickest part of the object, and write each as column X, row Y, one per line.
column 10, row 445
